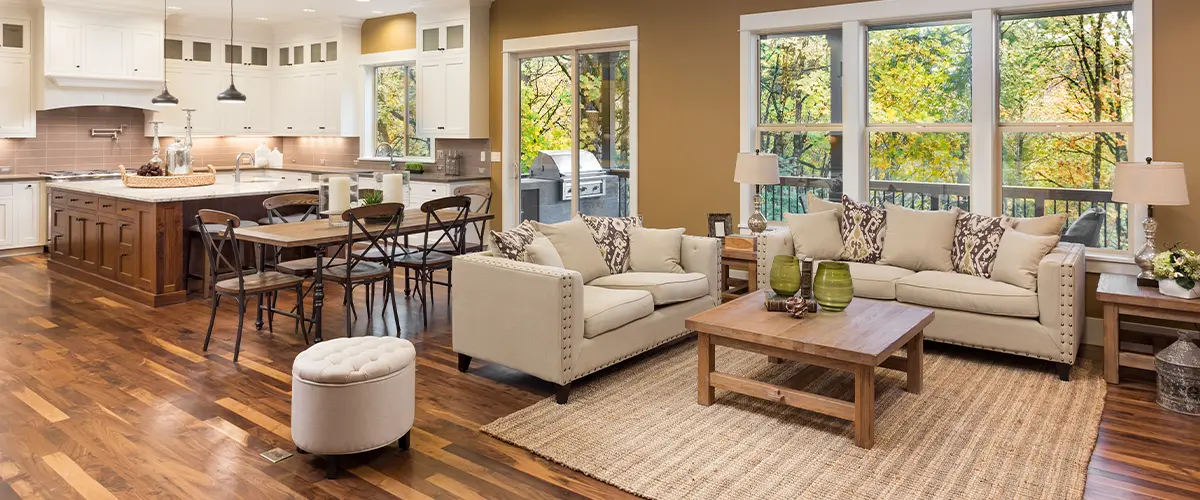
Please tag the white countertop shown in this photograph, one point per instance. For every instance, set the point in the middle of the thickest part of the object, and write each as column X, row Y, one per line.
column 225, row 187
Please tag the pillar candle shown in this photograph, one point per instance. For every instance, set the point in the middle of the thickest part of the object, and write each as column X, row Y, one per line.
column 339, row 194
column 393, row 188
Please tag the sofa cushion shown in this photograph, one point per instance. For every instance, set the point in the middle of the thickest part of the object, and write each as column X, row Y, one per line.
column 655, row 250
column 1018, row 258
column 919, row 240
column 575, row 245
column 606, row 309
column 612, row 236
column 1046, row 225
column 976, row 240
column 875, row 281
column 967, row 293
column 666, row 288
column 862, row 227
column 816, row 204
column 511, row 244
column 541, row 251
column 816, row 234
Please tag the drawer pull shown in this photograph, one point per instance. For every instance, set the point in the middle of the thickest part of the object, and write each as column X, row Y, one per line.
column 105, row 205
column 73, row 200
column 88, row 202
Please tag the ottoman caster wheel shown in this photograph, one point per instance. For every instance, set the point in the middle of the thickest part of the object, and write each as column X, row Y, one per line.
column 332, row 464
column 301, row 451
column 405, row 441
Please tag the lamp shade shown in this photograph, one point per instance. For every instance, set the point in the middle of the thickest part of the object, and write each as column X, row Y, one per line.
column 756, row 168
column 1151, row 183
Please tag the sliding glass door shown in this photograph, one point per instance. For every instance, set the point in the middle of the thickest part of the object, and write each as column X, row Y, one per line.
column 575, row 152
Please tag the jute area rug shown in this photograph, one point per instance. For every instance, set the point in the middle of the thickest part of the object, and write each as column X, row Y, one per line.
column 981, row 429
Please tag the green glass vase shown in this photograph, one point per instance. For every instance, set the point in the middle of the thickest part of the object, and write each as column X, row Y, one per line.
column 832, row 286
column 785, row 275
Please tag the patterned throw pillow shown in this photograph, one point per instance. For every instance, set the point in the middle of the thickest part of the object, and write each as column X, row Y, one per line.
column 612, row 236
column 511, row 244
column 862, row 231
column 976, row 241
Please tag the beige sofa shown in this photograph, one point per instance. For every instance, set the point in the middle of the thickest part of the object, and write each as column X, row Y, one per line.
column 545, row 321
column 971, row 311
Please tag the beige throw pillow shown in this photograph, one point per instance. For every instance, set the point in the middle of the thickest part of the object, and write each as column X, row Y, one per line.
column 816, row 205
column 1046, row 225
column 816, row 235
column 655, row 250
column 1018, row 258
column 918, row 240
column 541, row 251
column 574, row 243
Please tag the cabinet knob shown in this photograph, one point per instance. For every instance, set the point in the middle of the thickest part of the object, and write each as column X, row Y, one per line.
column 322, row 128
column 76, row 65
column 441, row 128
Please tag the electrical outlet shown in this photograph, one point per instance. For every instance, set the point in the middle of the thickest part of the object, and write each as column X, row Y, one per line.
column 5, row 170
column 441, row 154
column 495, row 157
column 322, row 162
column 483, row 156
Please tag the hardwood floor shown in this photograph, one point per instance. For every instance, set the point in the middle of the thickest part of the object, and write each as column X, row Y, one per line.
column 103, row 398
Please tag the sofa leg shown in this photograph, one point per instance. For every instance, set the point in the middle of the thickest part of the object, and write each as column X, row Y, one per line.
column 1064, row 371
column 332, row 463
column 562, row 393
column 404, row 440
column 464, row 362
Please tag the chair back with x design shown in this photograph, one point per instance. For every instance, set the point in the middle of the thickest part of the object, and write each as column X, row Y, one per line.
column 274, row 203
column 216, row 243
column 445, row 219
column 382, row 241
column 481, row 202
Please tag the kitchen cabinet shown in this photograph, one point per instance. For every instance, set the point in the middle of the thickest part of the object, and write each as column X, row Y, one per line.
column 452, row 71
column 252, row 117
column 254, row 55
column 20, row 215
column 189, row 50
column 17, row 116
column 14, row 36
column 110, row 47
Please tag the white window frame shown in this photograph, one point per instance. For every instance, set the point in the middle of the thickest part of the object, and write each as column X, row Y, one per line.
column 369, row 63
column 984, row 127
column 512, row 51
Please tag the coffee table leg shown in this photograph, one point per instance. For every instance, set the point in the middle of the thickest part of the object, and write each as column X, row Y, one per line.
column 774, row 360
column 864, row 406
column 916, row 355
column 707, row 364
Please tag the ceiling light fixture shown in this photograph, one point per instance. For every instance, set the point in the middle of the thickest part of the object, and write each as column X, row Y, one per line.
column 308, row 10
column 172, row 7
column 362, row 1
column 261, row 18
column 165, row 98
column 231, row 95
column 377, row 12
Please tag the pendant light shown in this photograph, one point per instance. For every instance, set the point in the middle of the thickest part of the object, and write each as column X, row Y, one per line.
column 165, row 98
column 231, row 95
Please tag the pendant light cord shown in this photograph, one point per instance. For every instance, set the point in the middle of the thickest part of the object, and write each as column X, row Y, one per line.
column 231, row 42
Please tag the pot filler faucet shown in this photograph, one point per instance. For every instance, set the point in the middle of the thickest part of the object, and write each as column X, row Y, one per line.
column 237, row 165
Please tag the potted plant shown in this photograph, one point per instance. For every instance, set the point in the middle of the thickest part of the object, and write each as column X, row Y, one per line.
column 415, row 167
column 1178, row 271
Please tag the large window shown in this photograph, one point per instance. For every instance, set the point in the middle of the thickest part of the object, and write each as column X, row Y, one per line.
column 1066, row 111
column 1021, row 113
column 800, row 115
column 396, row 114
column 919, row 114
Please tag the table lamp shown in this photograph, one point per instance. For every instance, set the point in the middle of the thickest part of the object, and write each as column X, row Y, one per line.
column 1152, row 183
column 756, row 169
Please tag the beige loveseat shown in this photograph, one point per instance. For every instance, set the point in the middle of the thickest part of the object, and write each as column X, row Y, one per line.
column 972, row 311
column 545, row 321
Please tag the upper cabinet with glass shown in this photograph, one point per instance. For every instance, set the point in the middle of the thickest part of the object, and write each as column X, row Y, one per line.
column 447, row 38
column 14, row 36
column 452, row 69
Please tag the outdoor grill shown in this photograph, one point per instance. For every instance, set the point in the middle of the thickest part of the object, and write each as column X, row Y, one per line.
column 546, row 191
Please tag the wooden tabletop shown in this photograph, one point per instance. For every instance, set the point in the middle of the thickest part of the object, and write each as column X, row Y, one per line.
column 318, row 232
column 867, row 332
column 1123, row 289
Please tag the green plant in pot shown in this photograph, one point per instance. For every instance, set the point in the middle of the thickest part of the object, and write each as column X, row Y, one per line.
column 415, row 167
column 371, row 196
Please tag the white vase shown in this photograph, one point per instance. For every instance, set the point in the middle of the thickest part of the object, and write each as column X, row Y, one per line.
column 1172, row 289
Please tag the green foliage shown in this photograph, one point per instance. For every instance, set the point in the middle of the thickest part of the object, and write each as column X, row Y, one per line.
column 372, row 196
column 395, row 111
column 920, row 74
column 414, row 166
column 1178, row 264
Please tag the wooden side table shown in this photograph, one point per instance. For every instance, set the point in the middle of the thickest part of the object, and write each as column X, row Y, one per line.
column 747, row 260
column 1121, row 295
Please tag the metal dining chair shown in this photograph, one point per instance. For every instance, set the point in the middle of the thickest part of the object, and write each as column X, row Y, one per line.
column 243, row 285
column 425, row 258
column 286, row 208
column 369, row 266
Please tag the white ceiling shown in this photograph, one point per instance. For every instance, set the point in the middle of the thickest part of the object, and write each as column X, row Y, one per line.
column 276, row 11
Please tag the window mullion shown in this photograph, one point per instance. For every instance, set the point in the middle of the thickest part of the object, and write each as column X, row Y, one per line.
column 855, row 174
column 985, row 156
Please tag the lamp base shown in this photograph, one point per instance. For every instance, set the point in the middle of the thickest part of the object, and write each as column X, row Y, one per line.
column 1144, row 258
column 757, row 222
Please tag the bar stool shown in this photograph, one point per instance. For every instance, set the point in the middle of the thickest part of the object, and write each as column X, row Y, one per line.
column 243, row 285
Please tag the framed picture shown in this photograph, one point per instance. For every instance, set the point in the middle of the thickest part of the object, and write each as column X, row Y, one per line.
column 720, row 225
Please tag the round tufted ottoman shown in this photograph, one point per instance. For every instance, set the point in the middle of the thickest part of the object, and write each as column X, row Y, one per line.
column 351, row 395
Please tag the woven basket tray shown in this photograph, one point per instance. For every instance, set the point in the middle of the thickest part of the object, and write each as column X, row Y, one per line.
column 169, row 181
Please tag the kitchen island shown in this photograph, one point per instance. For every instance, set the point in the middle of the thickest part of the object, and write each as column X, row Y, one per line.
column 132, row 241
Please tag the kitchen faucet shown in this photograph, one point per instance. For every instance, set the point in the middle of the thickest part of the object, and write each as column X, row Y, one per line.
column 391, row 152
column 237, row 165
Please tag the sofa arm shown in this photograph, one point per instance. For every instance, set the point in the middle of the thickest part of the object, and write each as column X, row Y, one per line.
column 772, row 242
column 520, row 315
column 1060, row 289
column 703, row 255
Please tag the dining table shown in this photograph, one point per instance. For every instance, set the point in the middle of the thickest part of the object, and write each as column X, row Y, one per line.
column 320, row 234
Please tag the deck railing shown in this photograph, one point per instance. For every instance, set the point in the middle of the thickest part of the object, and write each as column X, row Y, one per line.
column 791, row 196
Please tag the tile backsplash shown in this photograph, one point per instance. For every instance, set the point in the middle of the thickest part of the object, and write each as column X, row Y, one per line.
column 64, row 142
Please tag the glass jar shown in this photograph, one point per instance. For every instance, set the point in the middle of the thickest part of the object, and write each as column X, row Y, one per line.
column 832, row 286
column 338, row 193
column 785, row 275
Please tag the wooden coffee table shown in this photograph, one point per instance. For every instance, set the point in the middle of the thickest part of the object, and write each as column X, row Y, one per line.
column 857, row 340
